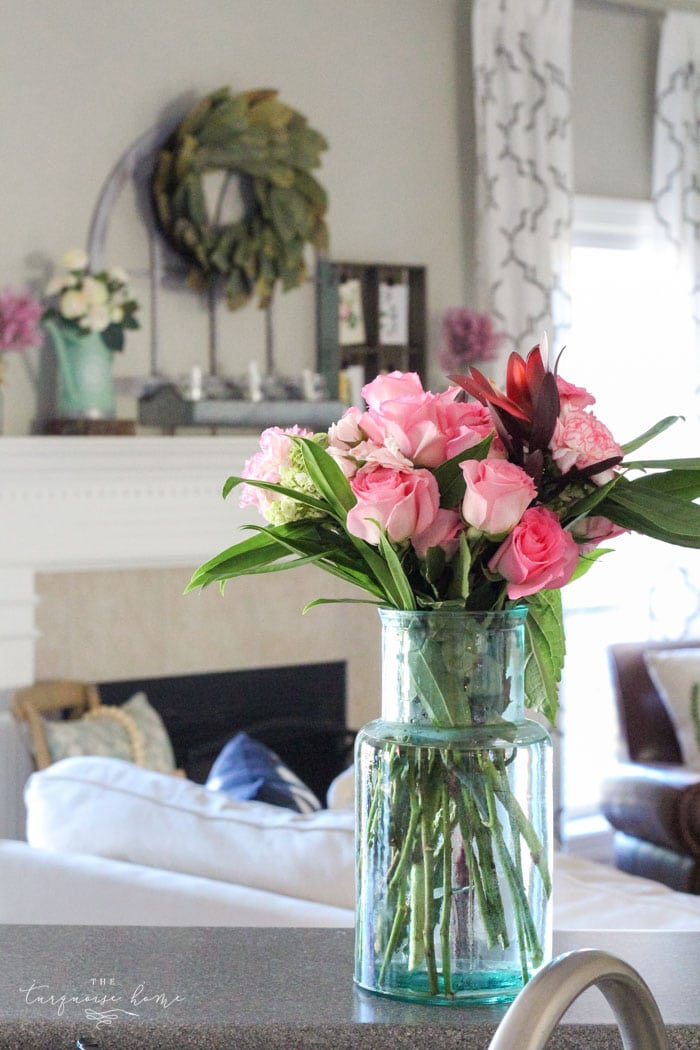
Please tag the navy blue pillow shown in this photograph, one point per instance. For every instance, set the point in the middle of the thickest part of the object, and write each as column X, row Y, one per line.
column 248, row 770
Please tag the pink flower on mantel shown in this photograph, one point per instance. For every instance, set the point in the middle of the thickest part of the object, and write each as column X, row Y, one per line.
column 403, row 503
column 497, row 495
column 581, row 440
column 427, row 428
column 468, row 336
column 20, row 314
column 267, row 464
column 537, row 555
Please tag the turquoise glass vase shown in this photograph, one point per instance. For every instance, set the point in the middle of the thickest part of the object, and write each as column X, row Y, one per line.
column 84, row 380
column 454, row 815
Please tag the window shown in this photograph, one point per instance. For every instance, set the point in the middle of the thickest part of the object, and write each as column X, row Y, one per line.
column 630, row 347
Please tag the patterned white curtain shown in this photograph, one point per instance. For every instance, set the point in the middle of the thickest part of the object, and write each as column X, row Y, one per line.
column 522, row 89
column 676, row 169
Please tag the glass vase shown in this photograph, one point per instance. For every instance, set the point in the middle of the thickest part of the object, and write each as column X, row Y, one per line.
column 454, row 814
column 84, row 381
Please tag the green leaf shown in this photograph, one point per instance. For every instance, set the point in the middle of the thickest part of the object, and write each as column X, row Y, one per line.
column 654, row 514
column 340, row 601
column 450, row 478
column 281, row 490
column 545, row 647
column 404, row 598
column 113, row 337
column 244, row 557
column 583, row 507
column 653, row 432
column 682, row 483
column 461, row 564
column 586, row 561
column 327, row 477
column 691, row 463
column 329, row 551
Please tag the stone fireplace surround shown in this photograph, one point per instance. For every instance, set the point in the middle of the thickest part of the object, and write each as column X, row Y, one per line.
column 72, row 504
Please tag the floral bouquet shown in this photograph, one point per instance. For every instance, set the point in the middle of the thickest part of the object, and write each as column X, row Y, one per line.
column 102, row 302
column 435, row 502
column 431, row 500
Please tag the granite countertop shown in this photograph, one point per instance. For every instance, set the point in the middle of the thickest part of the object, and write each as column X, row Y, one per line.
column 162, row 988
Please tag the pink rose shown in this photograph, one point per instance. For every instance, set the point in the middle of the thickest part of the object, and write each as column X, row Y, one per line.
column 580, row 440
column 589, row 533
column 403, row 502
column 537, row 555
column 266, row 465
column 390, row 386
column 442, row 532
column 497, row 495
column 427, row 428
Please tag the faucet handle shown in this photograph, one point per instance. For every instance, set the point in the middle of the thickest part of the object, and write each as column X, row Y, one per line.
column 535, row 1013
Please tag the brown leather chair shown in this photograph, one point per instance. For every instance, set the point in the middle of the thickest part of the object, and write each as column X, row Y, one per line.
column 651, row 799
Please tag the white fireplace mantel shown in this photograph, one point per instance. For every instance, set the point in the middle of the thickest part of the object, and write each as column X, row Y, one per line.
column 71, row 504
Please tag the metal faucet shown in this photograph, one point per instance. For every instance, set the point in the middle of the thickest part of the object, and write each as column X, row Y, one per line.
column 533, row 1016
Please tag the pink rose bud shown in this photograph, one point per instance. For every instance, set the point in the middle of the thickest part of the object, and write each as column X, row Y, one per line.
column 403, row 502
column 442, row 532
column 498, row 494
column 537, row 555
column 591, row 532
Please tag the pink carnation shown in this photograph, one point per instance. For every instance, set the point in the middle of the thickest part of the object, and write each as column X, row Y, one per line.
column 267, row 464
column 581, row 440
column 346, row 432
column 20, row 314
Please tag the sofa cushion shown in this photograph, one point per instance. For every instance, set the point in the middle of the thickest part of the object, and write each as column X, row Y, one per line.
column 341, row 790
column 248, row 770
column 104, row 736
column 110, row 808
column 676, row 676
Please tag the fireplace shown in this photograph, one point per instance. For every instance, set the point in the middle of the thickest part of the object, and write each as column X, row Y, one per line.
column 70, row 504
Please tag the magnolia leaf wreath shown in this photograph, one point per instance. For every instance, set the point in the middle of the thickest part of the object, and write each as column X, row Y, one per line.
column 270, row 147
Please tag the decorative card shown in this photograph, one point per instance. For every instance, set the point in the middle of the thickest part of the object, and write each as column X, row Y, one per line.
column 351, row 319
column 393, row 314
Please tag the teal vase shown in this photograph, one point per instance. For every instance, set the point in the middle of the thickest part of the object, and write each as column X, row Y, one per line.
column 454, row 815
column 84, row 380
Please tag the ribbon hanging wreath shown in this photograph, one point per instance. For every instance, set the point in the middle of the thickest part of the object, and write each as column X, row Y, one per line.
column 258, row 138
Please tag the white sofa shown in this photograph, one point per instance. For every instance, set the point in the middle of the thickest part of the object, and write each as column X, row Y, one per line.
column 111, row 844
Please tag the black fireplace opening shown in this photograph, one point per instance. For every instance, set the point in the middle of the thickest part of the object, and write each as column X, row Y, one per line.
column 298, row 711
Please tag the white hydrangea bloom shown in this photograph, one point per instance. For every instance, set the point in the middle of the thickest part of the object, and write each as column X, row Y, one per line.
column 73, row 304
column 95, row 291
column 75, row 259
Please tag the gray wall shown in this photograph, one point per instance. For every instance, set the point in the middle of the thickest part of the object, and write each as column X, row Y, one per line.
column 80, row 80
column 387, row 81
